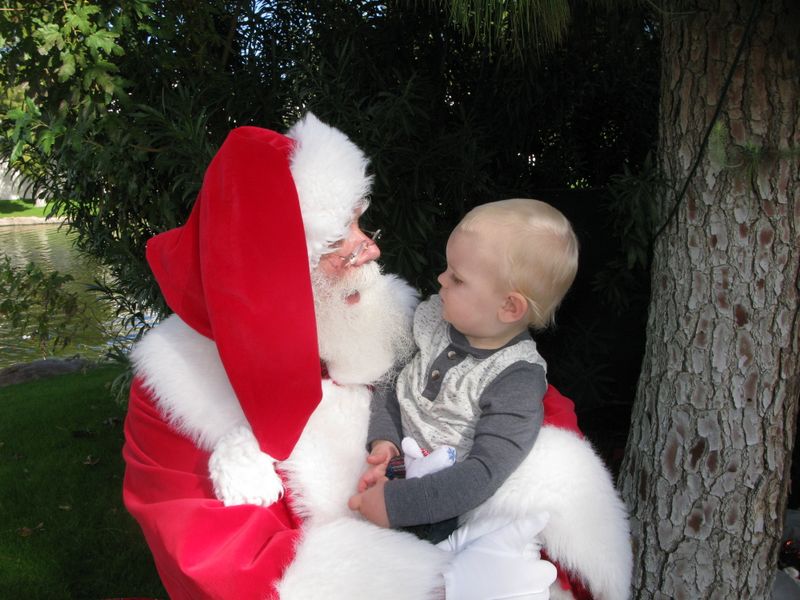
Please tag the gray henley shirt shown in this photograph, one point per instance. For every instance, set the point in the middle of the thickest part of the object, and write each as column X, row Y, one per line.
column 509, row 423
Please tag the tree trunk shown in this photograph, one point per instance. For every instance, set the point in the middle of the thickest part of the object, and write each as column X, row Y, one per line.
column 706, row 470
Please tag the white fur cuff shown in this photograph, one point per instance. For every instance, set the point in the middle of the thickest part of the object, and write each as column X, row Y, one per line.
column 347, row 559
column 241, row 473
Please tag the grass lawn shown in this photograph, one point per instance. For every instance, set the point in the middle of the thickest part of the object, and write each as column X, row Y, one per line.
column 63, row 530
column 22, row 208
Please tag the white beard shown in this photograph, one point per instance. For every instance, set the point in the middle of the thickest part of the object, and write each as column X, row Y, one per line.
column 361, row 342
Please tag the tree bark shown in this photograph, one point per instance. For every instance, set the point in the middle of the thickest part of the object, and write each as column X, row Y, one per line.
column 706, row 469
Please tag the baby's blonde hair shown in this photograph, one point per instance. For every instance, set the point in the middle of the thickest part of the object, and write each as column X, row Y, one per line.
column 538, row 247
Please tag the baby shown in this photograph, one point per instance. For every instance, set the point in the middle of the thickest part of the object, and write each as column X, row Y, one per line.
column 475, row 386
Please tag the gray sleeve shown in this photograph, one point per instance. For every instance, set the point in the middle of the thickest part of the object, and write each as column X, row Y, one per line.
column 511, row 417
column 384, row 417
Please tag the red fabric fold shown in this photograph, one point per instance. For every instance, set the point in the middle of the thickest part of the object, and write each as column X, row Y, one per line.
column 237, row 272
column 559, row 411
column 201, row 548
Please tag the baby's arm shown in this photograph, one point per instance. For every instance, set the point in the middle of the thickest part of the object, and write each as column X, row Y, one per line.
column 383, row 435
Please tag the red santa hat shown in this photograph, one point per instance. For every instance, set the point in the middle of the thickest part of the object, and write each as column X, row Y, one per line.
column 238, row 270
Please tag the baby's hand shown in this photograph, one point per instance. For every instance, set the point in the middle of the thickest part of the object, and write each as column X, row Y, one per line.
column 382, row 452
column 371, row 504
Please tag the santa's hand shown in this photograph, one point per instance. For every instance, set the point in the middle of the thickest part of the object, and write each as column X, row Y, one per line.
column 382, row 452
column 371, row 504
column 418, row 464
column 241, row 473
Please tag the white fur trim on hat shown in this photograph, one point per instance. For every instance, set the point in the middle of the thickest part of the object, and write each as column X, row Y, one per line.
column 330, row 175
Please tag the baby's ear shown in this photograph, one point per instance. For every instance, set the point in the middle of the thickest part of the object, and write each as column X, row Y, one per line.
column 515, row 307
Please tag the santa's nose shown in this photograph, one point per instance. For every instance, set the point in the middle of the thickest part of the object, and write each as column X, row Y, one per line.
column 368, row 252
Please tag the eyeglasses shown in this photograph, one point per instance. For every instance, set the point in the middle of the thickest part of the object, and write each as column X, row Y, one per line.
column 352, row 258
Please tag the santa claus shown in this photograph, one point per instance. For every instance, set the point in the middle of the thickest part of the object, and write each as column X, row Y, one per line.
column 247, row 422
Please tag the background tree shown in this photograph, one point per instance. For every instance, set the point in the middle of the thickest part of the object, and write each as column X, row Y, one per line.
column 707, row 466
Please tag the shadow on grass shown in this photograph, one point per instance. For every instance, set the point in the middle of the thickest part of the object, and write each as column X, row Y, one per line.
column 65, row 533
column 9, row 207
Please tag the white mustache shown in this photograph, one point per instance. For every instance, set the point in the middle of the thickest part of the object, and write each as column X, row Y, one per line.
column 356, row 279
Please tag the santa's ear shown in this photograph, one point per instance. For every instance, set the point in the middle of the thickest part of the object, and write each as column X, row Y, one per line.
column 514, row 308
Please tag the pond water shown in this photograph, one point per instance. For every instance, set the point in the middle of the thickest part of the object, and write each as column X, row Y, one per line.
column 50, row 247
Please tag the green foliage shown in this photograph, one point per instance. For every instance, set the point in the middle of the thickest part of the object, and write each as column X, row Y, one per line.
column 521, row 28
column 717, row 144
column 449, row 123
column 584, row 369
column 39, row 305
column 130, row 321
column 632, row 209
column 71, row 53
column 632, row 217
column 744, row 159
column 123, row 143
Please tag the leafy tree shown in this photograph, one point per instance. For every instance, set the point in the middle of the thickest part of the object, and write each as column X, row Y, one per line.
column 39, row 306
column 118, row 105
column 122, row 142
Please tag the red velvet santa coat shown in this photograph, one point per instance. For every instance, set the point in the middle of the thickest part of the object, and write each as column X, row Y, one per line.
column 203, row 549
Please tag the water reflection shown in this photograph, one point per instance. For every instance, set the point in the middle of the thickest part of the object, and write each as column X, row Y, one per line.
column 51, row 248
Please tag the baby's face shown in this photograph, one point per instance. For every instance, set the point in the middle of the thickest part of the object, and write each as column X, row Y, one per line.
column 472, row 294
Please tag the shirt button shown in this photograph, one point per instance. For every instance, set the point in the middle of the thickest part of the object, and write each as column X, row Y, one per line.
column 451, row 354
column 435, row 374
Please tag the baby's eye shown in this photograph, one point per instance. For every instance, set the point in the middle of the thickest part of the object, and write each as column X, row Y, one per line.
column 456, row 280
